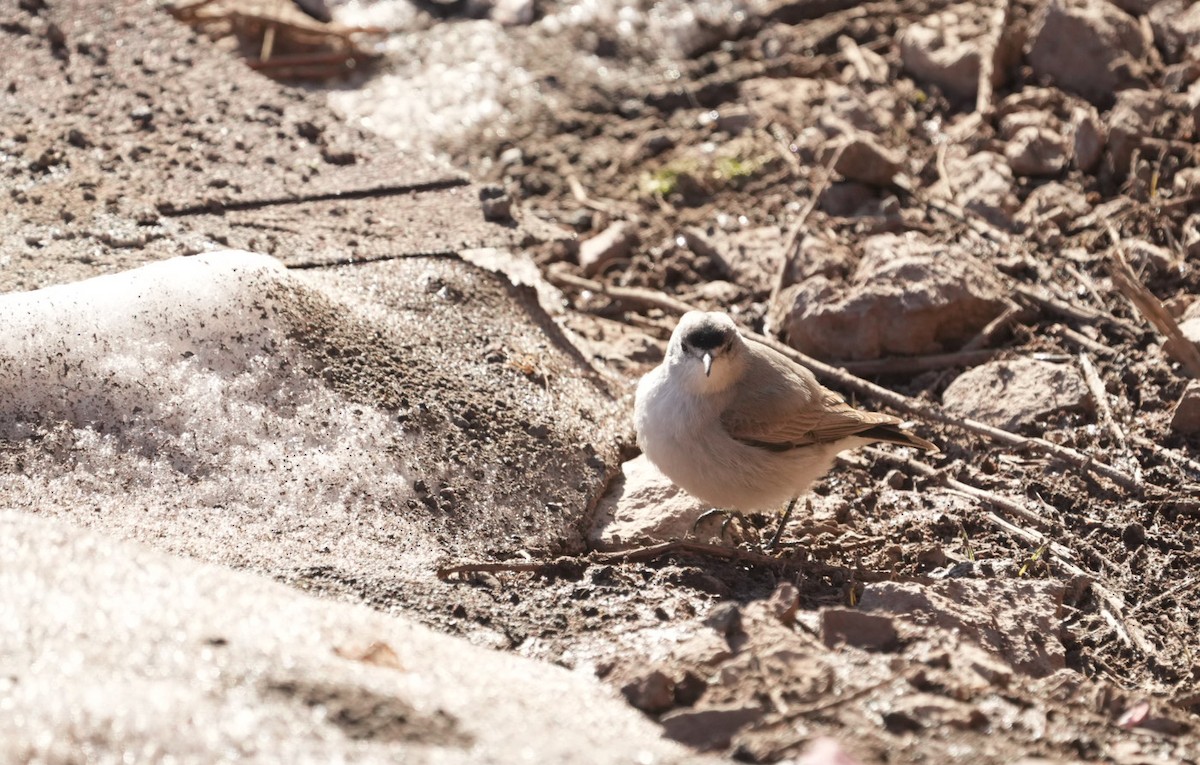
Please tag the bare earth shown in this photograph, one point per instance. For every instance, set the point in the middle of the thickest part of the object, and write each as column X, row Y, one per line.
column 832, row 174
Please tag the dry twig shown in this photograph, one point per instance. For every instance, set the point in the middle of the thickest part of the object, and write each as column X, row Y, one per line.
column 915, row 364
column 650, row 552
column 1152, row 309
column 638, row 296
column 1082, row 340
column 1130, row 632
column 792, row 242
column 987, row 336
column 903, row 403
column 987, row 61
column 1100, row 394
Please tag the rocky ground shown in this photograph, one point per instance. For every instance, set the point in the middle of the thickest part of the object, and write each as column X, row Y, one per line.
column 980, row 218
column 988, row 209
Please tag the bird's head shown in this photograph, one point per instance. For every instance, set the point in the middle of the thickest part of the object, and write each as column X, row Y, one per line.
column 707, row 349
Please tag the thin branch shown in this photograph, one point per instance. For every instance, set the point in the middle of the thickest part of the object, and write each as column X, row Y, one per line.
column 650, row 552
column 1126, row 628
column 987, row 62
column 791, row 244
column 987, row 336
column 915, row 364
column 1152, row 309
column 1082, row 340
column 1092, row 378
column 919, row 409
column 639, row 296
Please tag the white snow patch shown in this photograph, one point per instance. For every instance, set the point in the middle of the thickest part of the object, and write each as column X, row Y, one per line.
column 177, row 385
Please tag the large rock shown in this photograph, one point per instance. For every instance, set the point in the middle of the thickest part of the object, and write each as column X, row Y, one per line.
column 1176, row 25
column 984, row 184
column 948, row 48
column 112, row 651
column 907, row 296
column 1018, row 621
column 1011, row 394
column 642, row 505
column 1089, row 47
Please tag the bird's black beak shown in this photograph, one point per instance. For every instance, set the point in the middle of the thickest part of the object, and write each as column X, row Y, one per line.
column 708, row 364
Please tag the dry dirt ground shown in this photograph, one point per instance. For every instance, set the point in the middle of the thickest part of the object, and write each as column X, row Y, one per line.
column 834, row 175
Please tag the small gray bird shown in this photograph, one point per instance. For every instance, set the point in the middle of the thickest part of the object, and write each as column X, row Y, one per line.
column 742, row 427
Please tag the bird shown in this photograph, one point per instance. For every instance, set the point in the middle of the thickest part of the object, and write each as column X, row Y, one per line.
column 742, row 427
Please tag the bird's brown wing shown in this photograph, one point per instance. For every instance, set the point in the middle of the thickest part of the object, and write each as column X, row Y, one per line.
column 780, row 405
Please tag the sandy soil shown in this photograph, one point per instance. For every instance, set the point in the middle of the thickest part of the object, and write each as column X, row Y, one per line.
column 1006, row 219
column 833, row 176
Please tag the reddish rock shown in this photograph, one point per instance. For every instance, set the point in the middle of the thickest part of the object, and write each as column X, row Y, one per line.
column 614, row 243
column 1088, row 47
column 784, row 603
column 863, row 159
column 711, row 728
column 947, row 49
column 653, row 692
column 849, row 626
column 643, row 505
column 1186, row 418
column 1089, row 137
column 907, row 296
column 1014, row 393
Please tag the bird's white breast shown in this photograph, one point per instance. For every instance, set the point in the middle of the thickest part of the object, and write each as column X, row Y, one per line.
column 682, row 434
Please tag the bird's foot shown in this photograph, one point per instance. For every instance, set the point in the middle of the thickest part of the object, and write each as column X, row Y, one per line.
column 731, row 524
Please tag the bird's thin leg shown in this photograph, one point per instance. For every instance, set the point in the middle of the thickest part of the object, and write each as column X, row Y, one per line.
column 787, row 515
column 726, row 523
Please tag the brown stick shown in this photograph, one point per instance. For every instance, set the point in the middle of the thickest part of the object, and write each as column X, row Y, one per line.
column 1014, row 313
column 1110, row 605
column 650, row 552
column 987, row 61
column 797, row 230
column 925, row 411
column 1152, row 309
column 648, row 298
column 1100, row 394
column 1082, row 340
column 915, row 364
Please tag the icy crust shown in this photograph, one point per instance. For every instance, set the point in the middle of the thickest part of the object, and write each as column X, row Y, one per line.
column 111, row 652
column 179, row 384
